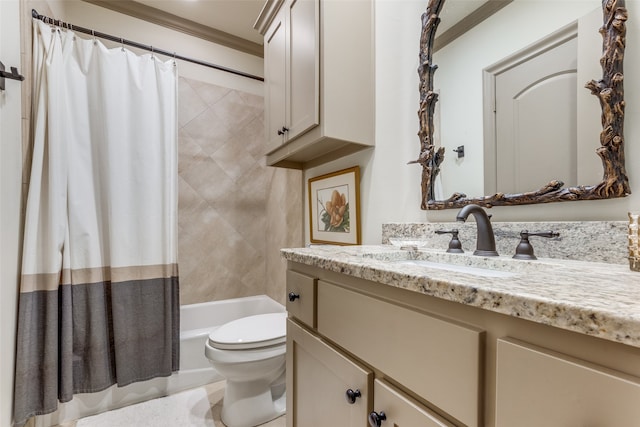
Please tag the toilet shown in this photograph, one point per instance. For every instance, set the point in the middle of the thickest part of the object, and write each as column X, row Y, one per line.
column 250, row 354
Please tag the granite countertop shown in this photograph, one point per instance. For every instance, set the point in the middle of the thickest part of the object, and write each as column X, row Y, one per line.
column 596, row 299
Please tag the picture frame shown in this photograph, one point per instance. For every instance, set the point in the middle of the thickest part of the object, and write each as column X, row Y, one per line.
column 334, row 207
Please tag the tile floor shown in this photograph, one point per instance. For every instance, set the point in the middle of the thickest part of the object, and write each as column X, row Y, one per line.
column 199, row 407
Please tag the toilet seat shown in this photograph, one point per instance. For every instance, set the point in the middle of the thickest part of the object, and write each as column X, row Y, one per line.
column 252, row 332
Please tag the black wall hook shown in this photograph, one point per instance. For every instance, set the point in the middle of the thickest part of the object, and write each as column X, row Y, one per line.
column 13, row 75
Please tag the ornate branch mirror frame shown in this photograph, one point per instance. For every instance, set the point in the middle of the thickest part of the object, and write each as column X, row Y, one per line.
column 609, row 90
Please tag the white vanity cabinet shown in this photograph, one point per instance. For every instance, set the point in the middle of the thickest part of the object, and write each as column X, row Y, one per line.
column 424, row 361
column 319, row 86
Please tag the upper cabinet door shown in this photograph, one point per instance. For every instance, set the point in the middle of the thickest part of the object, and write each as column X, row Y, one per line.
column 275, row 91
column 320, row 107
column 303, row 64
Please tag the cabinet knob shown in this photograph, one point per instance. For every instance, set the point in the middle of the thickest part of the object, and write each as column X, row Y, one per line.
column 352, row 395
column 376, row 419
column 283, row 130
column 293, row 296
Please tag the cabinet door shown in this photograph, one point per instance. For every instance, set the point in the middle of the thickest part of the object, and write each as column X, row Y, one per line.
column 304, row 66
column 537, row 387
column 318, row 378
column 394, row 409
column 275, row 82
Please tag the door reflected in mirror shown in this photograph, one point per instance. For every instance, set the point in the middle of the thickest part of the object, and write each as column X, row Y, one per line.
column 528, row 136
column 511, row 90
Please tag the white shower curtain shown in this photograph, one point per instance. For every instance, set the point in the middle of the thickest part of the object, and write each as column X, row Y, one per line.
column 99, row 300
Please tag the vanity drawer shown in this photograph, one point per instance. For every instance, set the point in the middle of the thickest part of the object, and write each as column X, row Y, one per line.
column 397, row 339
column 301, row 297
column 536, row 387
column 400, row 410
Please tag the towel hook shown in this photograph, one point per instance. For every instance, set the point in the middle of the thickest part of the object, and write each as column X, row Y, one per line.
column 13, row 75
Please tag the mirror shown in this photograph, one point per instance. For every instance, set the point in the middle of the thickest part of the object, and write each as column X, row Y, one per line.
column 608, row 90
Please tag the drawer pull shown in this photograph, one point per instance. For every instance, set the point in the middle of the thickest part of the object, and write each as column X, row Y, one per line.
column 293, row 296
column 376, row 419
column 352, row 395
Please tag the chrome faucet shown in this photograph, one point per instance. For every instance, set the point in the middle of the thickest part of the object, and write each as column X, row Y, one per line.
column 485, row 240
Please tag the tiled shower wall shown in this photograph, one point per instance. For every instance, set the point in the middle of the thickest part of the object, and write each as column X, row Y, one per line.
column 234, row 212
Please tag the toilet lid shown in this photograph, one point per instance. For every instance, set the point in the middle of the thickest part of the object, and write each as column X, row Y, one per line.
column 258, row 331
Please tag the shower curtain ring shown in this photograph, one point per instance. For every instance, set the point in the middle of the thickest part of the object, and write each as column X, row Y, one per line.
column 93, row 34
column 121, row 44
column 152, row 53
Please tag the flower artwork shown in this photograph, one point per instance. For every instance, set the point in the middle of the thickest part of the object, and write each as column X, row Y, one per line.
column 334, row 207
column 334, row 213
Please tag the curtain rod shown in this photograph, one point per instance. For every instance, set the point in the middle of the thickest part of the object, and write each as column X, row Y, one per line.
column 152, row 49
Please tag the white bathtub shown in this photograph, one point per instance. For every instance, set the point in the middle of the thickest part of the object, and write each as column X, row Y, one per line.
column 196, row 322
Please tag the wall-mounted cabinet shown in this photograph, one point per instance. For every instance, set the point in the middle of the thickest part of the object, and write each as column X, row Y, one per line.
column 319, row 80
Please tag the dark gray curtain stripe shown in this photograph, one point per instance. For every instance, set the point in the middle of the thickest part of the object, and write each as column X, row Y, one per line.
column 114, row 333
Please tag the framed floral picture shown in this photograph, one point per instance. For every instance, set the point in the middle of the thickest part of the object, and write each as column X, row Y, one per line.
column 334, row 207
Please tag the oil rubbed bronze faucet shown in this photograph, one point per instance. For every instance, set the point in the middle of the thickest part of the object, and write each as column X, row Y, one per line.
column 485, row 240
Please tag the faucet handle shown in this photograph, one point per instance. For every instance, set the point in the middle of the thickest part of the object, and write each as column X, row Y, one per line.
column 455, row 247
column 524, row 250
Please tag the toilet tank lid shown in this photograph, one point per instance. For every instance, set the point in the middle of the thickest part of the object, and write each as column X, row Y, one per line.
column 251, row 332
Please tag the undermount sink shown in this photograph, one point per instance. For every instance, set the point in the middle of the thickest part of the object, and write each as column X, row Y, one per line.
column 477, row 271
column 467, row 263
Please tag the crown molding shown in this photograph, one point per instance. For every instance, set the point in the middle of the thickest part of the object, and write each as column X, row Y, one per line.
column 168, row 20
column 268, row 12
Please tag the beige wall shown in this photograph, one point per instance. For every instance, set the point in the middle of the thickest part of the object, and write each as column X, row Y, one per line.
column 11, row 200
column 391, row 188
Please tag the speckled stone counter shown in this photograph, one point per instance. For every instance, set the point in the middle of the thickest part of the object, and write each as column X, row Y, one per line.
column 596, row 299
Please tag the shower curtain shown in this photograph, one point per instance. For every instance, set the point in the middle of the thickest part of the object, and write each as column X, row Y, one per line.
column 99, row 301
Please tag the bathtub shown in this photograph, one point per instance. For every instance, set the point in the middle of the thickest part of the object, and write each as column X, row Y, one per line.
column 196, row 322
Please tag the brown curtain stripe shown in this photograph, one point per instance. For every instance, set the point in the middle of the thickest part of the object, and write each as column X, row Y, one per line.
column 51, row 281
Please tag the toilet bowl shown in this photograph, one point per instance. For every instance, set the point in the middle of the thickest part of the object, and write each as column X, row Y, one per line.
column 250, row 354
